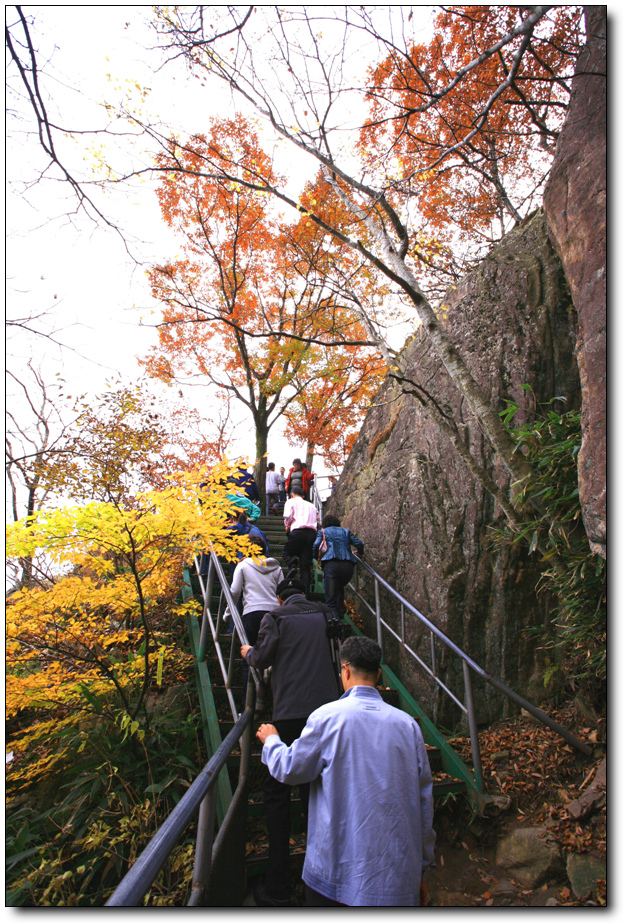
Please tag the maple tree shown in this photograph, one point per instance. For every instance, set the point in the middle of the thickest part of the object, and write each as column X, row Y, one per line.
column 468, row 130
column 327, row 415
column 87, row 652
column 126, row 440
column 299, row 84
column 91, row 637
column 239, row 309
column 31, row 437
column 115, row 444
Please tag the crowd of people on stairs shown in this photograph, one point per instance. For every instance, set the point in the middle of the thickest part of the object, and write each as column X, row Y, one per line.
column 360, row 765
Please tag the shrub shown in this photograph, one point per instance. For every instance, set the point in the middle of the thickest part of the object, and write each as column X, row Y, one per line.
column 573, row 572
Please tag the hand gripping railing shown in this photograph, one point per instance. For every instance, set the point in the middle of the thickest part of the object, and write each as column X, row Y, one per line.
column 202, row 793
column 469, row 665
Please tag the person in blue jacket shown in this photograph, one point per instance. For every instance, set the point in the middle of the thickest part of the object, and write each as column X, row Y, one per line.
column 370, row 835
column 239, row 523
column 337, row 562
column 244, row 480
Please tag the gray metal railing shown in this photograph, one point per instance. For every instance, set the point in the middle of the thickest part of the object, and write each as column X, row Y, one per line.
column 469, row 666
column 314, row 496
column 212, row 623
column 202, row 794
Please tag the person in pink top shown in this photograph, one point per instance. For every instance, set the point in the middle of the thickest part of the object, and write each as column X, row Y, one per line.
column 301, row 520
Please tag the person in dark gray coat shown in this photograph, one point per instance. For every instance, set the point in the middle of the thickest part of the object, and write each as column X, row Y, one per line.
column 293, row 641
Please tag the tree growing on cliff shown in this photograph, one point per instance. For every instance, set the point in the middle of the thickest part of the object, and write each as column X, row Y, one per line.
column 474, row 159
column 304, row 107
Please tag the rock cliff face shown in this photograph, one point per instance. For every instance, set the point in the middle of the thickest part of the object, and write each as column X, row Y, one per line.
column 532, row 313
column 424, row 519
column 575, row 206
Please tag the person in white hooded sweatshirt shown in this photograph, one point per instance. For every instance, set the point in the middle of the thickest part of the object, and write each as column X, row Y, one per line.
column 258, row 584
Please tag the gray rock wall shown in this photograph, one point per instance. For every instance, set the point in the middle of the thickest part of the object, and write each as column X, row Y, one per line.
column 575, row 206
column 426, row 522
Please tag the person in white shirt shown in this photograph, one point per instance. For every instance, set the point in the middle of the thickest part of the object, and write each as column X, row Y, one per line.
column 272, row 489
column 301, row 520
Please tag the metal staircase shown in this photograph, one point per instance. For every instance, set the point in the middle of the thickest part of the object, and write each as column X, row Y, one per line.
column 227, row 793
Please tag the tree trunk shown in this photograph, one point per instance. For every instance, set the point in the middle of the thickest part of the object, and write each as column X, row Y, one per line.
column 261, row 457
column 309, row 457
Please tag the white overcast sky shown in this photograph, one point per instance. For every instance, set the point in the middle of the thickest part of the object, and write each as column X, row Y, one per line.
column 77, row 270
column 80, row 272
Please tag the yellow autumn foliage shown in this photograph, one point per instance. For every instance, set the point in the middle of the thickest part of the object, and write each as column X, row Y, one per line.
column 98, row 626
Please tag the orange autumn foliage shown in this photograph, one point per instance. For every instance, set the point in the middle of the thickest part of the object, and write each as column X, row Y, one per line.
column 471, row 142
column 246, row 306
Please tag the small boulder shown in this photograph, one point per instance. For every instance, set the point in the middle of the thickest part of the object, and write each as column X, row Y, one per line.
column 528, row 856
column 583, row 872
column 592, row 799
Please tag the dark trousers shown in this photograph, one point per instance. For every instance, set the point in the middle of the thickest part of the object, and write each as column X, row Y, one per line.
column 251, row 622
column 313, row 899
column 271, row 501
column 298, row 546
column 336, row 575
column 277, row 805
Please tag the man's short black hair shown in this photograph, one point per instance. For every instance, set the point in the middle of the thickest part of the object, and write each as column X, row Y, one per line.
column 271, row 466
column 330, row 521
column 297, row 491
column 291, row 587
column 362, row 654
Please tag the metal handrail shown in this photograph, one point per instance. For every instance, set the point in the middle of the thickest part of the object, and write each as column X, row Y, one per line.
column 314, row 497
column 213, row 622
column 469, row 665
column 202, row 794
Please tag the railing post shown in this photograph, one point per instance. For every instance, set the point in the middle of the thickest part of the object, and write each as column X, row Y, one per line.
column 210, row 582
column 377, row 601
column 235, row 645
column 246, row 741
column 432, row 654
column 204, row 636
column 203, row 852
column 473, row 727
column 220, row 612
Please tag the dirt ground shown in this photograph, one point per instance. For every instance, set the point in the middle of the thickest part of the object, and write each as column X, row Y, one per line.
column 541, row 775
